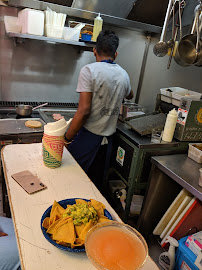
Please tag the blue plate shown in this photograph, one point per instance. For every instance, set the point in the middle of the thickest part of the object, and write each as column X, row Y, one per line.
column 64, row 203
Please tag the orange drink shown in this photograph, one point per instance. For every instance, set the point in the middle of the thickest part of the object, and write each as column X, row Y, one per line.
column 115, row 246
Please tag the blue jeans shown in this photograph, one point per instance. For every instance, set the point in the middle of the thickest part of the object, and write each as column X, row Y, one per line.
column 85, row 147
column 9, row 259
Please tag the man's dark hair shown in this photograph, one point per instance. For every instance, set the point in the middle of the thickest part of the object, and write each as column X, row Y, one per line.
column 107, row 43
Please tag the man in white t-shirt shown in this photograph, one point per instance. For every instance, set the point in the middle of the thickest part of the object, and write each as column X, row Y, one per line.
column 102, row 86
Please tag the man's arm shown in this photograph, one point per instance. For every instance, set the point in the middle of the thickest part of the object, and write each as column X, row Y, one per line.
column 131, row 95
column 80, row 116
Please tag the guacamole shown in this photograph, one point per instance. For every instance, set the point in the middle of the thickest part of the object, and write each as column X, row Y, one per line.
column 81, row 213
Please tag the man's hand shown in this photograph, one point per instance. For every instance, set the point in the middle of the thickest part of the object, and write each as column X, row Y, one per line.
column 131, row 95
column 3, row 234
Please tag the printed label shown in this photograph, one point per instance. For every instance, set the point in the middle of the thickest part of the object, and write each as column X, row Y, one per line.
column 184, row 266
column 198, row 261
column 182, row 116
column 120, row 155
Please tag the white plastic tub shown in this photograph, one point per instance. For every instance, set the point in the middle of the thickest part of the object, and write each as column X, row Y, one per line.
column 195, row 153
column 32, row 21
column 71, row 34
column 167, row 96
column 12, row 24
column 53, row 31
column 116, row 184
column 177, row 93
column 176, row 96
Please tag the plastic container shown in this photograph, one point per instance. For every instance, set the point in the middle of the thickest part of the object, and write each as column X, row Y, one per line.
column 97, row 28
column 12, row 24
column 167, row 258
column 136, row 204
column 166, row 95
column 86, row 37
column 185, row 258
column 170, row 125
column 116, row 184
column 195, row 153
column 32, row 21
column 156, row 135
column 174, row 96
column 53, row 31
column 71, row 34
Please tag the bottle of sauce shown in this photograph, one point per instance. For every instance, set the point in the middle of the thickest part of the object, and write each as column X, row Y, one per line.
column 97, row 28
column 170, row 125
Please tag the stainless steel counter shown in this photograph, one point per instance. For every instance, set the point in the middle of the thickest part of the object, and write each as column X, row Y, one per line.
column 142, row 141
column 181, row 169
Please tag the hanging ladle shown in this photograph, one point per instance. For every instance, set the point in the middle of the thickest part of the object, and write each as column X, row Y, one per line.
column 198, row 61
column 161, row 48
column 187, row 50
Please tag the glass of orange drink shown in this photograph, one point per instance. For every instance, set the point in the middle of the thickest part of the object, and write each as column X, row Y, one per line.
column 114, row 245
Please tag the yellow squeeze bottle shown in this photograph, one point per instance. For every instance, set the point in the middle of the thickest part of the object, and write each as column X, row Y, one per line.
column 97, row 28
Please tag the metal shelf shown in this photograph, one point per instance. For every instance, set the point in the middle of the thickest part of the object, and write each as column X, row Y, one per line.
column 85, row 45
column 87, row 15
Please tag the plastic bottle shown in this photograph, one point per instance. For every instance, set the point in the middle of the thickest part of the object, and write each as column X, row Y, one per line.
column 97, row 28
column 167, row 259
column 170, row 125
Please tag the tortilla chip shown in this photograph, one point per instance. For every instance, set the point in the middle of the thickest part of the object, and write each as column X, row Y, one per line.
column 102, row 219
column 52, row 226
column 79, row 229
column 62, row 243
column 55, row 216
column 59, row 208
column 80, row 201
column 78, row 242
column 87, row 227
column 99, row 207
column 64, row 231
column 45, row 223
column 56, row 213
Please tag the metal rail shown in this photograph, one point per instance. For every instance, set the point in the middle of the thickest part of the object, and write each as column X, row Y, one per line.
column 51, row 40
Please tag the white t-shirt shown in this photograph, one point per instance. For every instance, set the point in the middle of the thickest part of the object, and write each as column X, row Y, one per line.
column 110, row 84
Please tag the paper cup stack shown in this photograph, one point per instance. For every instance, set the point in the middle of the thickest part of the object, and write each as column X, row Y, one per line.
column 53, row 142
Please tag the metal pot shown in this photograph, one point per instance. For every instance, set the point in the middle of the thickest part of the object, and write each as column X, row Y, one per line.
column 26, row 110
column 186, row 53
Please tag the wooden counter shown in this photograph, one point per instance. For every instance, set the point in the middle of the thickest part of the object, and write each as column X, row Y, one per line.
column 68, row 181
